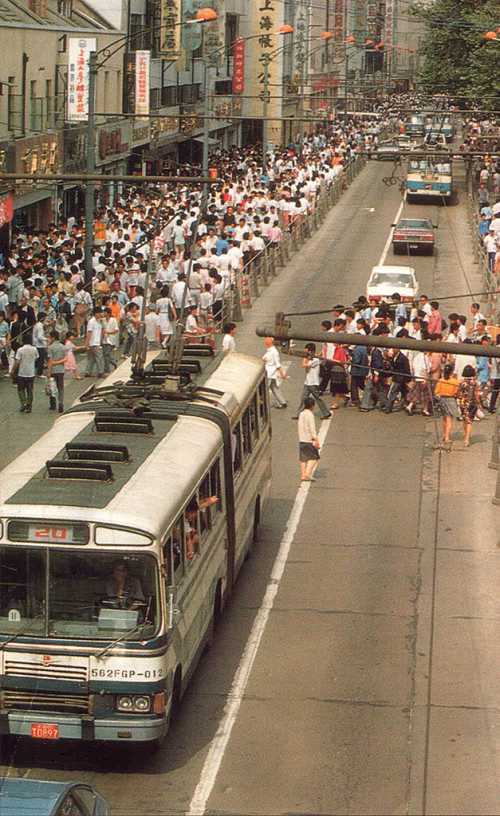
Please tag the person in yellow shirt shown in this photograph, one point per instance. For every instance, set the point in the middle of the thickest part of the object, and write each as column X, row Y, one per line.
column 446, row 395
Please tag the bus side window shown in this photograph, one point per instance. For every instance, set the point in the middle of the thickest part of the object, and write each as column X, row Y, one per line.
column 173, row 553
column 205, row 509
column 236, row 448
column 192, row 529
column 263, row 404
column 254, row 419
column 247, row 436
column 215, row 485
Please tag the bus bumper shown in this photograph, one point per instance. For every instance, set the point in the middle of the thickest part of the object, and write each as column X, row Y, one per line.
column 89, row 729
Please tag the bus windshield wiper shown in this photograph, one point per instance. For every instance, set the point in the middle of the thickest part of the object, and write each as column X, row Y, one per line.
column 136, row 628
column 21, row 632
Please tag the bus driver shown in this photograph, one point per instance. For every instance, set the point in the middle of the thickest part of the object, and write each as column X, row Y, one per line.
column 123, row 588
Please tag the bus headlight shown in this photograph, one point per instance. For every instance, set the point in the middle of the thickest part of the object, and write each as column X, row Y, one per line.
column 124, row 704
column 134, row 704
column 142, row 703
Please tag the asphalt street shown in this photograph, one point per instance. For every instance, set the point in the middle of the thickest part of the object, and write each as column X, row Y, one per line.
column 356, row 667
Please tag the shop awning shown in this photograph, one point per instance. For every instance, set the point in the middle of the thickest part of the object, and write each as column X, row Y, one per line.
column 210, row 140
column 31, row 197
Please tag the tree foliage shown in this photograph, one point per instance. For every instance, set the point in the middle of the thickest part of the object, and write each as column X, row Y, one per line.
column 456, row 59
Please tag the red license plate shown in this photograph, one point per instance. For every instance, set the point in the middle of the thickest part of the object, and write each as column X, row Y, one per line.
column 44, row 731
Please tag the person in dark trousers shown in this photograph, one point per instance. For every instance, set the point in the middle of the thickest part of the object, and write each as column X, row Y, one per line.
column 359, row 371
column 311, row 363
column 375, row 392
column 56, row 354
column 401, row 376
column 23, row 374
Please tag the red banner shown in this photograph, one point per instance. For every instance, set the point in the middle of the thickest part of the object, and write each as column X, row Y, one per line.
column 239, row 66
column 6, row 209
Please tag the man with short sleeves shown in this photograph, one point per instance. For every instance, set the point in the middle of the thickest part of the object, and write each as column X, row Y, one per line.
column 56, row 354
column 24, row 373
column 93, row 343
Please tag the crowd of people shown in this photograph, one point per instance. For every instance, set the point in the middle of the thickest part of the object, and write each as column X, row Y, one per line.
column 454, row 387
column 47, row 302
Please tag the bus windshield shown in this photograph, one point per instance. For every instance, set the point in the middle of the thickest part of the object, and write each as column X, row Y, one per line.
column 75, row 594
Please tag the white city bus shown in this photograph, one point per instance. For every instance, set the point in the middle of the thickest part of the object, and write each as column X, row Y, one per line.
column 122, row 531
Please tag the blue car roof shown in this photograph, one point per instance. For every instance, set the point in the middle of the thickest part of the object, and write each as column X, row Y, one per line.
column 30, row 797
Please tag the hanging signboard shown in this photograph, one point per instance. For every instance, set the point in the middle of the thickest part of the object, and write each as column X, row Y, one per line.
column 79, row 49
column 239, row 66
column 170, row 29
column 142, row 64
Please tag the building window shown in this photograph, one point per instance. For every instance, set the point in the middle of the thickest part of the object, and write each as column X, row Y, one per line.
column 169, row 96
column 155, row 98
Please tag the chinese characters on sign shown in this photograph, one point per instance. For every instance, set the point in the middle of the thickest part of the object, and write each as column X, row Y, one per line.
column 389, row 22
column 267, row 16
column 142, row 83
column 39, row 154
column 239, row 66
column 78, row 77
column 300, row 40
column 339, row 27
column 170, row 29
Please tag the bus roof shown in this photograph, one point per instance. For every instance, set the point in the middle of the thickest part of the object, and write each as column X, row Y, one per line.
column 161, row 469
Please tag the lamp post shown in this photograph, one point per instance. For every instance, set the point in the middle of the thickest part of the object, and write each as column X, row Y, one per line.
column 204, row 15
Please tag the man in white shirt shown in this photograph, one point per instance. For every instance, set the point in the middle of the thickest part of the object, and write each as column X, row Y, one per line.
column 228, row 341
column 110, row 341
column 93, row 344
column 491, row 244
column 24, row 374
column 311, row 363
column 274, row 370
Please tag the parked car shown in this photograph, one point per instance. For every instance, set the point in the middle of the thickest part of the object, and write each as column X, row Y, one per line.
column 413, row 235
column 31, row 797
column 388, row 151
column 407, row 143
column 385, row 281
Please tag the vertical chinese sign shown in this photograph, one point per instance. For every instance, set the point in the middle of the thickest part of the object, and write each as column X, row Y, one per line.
column 170, row 29
column 389, row 22
column 78, row 77
column 267, row 16
column 239, row 66
column 142, row 63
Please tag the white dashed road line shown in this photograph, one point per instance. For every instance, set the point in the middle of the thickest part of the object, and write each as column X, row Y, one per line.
column 391, row 231
column 236, row 694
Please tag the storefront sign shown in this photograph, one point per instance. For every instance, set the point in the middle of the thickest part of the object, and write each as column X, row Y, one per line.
column 141, row 134
column 38, row 154
column 170, row 29
column 239, row 66
column 162, row 130
column 6, row 209
column 142, row 62
column 113, row 142
column 79, row 49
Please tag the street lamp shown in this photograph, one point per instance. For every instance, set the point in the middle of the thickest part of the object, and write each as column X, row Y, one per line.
column 203, row 15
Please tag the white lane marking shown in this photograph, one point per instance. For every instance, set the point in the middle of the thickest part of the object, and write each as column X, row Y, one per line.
column 236, row 694
column 391, row 231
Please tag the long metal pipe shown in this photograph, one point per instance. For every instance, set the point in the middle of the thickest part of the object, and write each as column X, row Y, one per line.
column 96, row 177
column 374, row 341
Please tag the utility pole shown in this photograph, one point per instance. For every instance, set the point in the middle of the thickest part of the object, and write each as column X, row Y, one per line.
column 265, row 103
column 90, row 169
